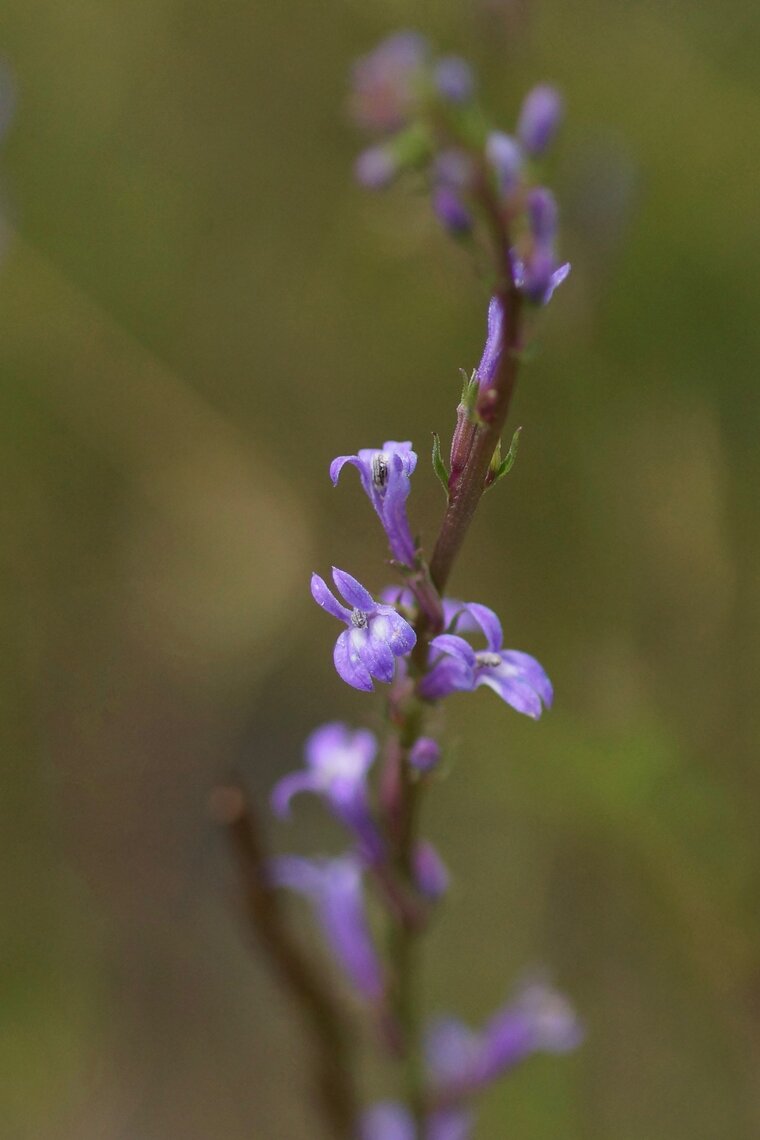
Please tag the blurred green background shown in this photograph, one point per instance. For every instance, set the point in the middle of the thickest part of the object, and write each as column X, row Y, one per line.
column 197, row 311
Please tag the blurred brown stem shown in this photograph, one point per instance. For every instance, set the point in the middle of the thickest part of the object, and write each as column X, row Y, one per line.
column 311, row 992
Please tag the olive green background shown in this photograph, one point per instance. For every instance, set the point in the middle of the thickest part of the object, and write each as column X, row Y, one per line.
column 198, row 309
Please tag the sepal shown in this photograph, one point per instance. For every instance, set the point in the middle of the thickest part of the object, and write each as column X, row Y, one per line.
column 500, row 467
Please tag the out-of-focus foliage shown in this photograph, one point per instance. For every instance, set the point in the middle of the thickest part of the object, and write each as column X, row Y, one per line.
column 197, row 311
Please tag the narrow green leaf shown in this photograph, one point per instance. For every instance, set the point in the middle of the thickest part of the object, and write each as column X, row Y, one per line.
column 438, row 465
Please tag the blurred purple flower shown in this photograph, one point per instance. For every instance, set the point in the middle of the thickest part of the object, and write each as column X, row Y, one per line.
column 430, row 873
column 337, row 763
column 385, row 84
column 539, row 274
column 451, row 212
column 515, row 677
column 425, row 754
column 334, row 887
column 506, row 160
column 454, row 79
column 461, row 1061
column 540, row 119
column 375, row 636
column 376, row 167
column 385, row 474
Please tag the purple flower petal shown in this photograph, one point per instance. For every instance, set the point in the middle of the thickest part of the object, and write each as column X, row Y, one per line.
column 350, row 666
column 334, row 886
column 334, row 746
column 289, row 786
column 489, row 623
column 339, row 463
column 373, row 651
column 511, row 689
column 345, row 924
column 455, row 646
column 401, row 637
column 324, row 597
column 532, row 672
column 489, row 361
column 352, row 591
column 449, row 675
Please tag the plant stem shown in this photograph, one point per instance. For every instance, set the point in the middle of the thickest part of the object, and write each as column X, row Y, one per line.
column 465, row 489
column 331, row 1041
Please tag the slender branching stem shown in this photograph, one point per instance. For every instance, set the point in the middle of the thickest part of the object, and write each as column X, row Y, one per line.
column 298, row 973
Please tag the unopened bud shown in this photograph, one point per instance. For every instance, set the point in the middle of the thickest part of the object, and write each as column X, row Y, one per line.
column 540, row 119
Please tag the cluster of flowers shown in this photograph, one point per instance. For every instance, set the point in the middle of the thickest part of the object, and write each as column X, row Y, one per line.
column 425, row 114
column 375, row 646
column 425, row 110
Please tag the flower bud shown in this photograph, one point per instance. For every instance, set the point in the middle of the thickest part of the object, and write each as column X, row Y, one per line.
column 376, row 167
column 505, row 156
column 454, row 79
column 430, row 873
column 425, row 754
column 542, row 215
column 451, row 212
column 540, row 119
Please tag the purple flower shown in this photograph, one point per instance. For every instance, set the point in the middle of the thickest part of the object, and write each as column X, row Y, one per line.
column 489, row 361
column 385, row 474
column 425, row 754
column 540, row 118
column 337, row 763
column 386, row 83
column 376, row 633
column 506, row 159
column 334, row 887
column 387, row 1121
column 376, row 167
column 539, row 274
column 430, row 873
column 454, row 79
column 461, row 1061
column 515, row 677
column 451, row 211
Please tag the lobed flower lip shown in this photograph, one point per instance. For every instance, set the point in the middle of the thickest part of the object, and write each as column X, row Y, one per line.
column 375, row 636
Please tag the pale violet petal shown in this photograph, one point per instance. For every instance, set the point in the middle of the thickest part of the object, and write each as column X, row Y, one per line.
column 353, row 591
column 349, row 665
column 324, row 597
